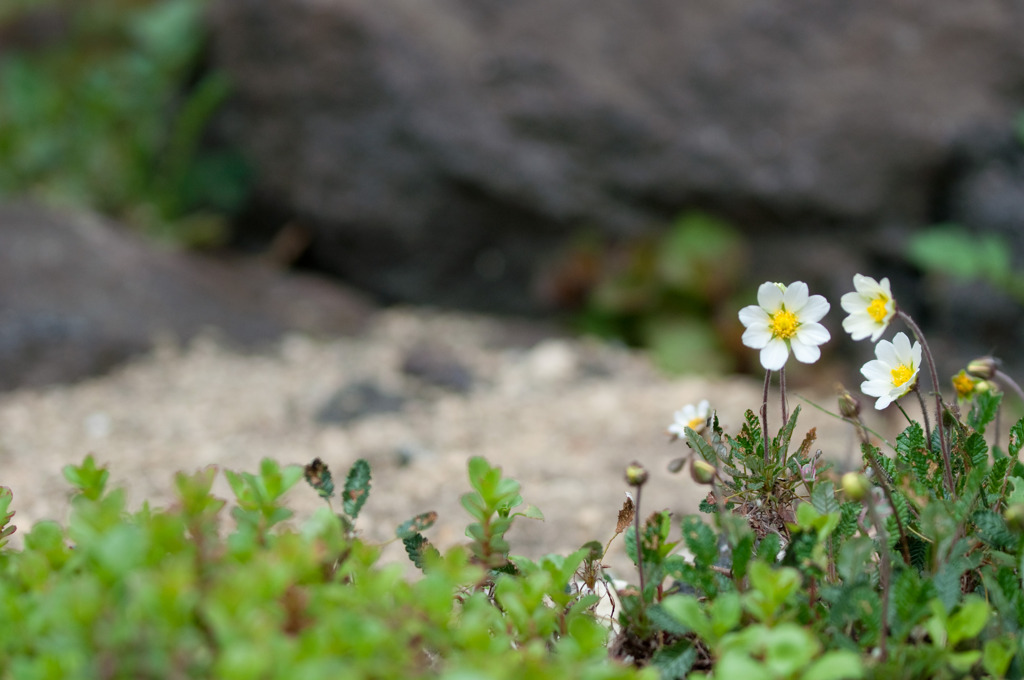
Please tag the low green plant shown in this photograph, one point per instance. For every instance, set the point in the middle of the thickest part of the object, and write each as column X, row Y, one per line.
column 174, row 593
column 908, row 567
column 109, row 113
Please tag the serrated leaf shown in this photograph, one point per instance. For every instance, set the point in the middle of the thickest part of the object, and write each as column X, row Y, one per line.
column 984, row 410
column 675, row 660
column 993, row 530
column 357, row 488
column 823, row 498
column 417, row 548
column 666, row 621
column 420, row 522
column 701, row 540
column 701, row 446
column 318, row 476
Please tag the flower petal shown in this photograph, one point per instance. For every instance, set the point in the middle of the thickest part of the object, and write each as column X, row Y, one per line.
column 756, row 336
column 769, row 297
column 815, row 308
column 774, row 354
column 752, row 314
column 796, row 296
column 886, row 352
column 812, row 334
column 853, row 303
column 901, row 345
column 804, row 353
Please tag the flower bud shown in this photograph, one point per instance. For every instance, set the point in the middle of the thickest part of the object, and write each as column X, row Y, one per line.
column 849, row 407
column 983, row 367
column 855, row 486
column 702, row 471
column 636, row 474
column 1014, row 516
column 986, row 386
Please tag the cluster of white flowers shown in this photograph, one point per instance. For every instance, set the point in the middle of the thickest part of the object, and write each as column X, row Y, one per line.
column 787, row 318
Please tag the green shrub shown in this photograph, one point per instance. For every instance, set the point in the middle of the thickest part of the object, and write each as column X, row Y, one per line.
column 166, row 593
column 109, row 114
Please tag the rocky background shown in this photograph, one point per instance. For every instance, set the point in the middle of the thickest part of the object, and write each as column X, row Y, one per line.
column 413, row 157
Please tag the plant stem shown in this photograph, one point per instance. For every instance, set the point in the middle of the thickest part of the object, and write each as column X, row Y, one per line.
column 885, row 570
column 639, row 545
column 924, row 412
column 782, row 394
column 764, row 413
column 947, row 473
column 884, row 482
column 1010, row 382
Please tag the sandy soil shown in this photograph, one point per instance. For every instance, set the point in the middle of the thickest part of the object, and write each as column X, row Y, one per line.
column 564, row 417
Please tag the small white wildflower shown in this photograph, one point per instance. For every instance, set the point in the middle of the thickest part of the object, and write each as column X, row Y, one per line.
column 690, row 416
column 894, row 372
column 870, row 308
column 784, row 318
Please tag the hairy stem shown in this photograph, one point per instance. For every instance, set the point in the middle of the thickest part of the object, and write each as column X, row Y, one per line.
column 884, row 572
column 782, row 395
column 764, row 413
column 947, row 473
column 924, row 412
column 639, row 545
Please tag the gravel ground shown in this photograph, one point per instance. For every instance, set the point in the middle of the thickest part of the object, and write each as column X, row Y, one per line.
column 416, row 395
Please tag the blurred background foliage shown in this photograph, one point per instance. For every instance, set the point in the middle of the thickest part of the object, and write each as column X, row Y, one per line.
column 105, row 105
column 672, row 292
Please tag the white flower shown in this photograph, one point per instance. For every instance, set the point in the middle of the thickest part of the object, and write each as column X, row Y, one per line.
column 690, row 416
column 785, row 317
column 894, row 372
column 870, row 308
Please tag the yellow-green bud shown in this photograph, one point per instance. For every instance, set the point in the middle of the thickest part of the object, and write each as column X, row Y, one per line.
column 856, row 486
column 1014, row 516
column 983, row 367
column 702, row 471
column 986, row 386
column 636, row 474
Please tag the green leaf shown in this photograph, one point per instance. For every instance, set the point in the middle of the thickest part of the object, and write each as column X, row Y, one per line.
column 997, row 655
column 701, row 541
column 318, row 476
column 984, row 410
column 686, row 611
column 701, row 446
column 89, row 480
column 968, row 621
column 357, row 488
column 420, row 522
column 675, row 660
column 418, row 549
column 993, row 530
column 835, row 665
column 823, row 498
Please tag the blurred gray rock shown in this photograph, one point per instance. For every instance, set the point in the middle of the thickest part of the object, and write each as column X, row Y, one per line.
column 443, row 151
column 78, row 295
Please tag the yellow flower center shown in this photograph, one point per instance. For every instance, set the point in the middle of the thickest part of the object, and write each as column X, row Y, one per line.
column 901, row 374
column 877, row 310
column 963, row 385
column 696, row 424
column 784, row 324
